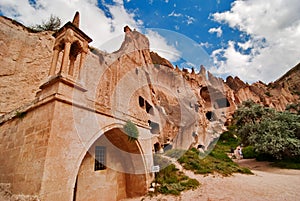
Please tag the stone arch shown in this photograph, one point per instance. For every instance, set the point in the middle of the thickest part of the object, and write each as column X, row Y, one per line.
column 75, row 49
column 125, row 173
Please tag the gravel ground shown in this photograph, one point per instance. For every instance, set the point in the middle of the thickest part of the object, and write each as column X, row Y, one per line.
column 267, row 184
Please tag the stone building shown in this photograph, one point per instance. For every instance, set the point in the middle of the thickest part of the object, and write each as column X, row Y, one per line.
column 63, row 106
column 65, row 144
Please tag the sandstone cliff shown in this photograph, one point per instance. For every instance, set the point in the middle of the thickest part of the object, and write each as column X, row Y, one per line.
column 182, row 108
column 25, row 58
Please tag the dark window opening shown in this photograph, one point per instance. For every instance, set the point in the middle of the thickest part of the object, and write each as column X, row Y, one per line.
column 149, row 108
column 210, row 115
column 222, row 102
column 156, row 147
column 141, row 101
column 145, row 105
column 154, row 127
column 200, row 146
column 204, row 93
column 100, row 158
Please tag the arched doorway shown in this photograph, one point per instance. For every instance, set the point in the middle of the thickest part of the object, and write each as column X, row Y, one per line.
column 112, row 169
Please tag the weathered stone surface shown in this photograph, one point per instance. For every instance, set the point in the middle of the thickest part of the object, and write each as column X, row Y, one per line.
column 25, row 58
column 71, row 113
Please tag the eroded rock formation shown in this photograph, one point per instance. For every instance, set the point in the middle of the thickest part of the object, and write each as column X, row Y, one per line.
column 181, row 108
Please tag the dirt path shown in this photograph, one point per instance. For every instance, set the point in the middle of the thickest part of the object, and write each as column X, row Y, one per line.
column 267, row 184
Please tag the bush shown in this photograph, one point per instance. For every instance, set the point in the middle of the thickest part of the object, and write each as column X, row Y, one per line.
column 248, row 152
column 53, row 24
column 272, row 134
column 216, row 161
column 131, row 130
column 172, row 181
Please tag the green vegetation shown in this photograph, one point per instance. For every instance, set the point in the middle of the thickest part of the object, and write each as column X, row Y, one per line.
column 249, row 152
column 131, row 130
column 293, row 108
column 273, row 135
column 21, row 115
column 289, row 164
column 53, row 24
column 216, row 161
column 170, row 179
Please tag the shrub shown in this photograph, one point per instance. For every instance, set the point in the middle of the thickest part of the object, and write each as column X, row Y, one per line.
column 131, row 130
column 216, row 161
column 53, row 24
column 248, row 152
column 172, row 181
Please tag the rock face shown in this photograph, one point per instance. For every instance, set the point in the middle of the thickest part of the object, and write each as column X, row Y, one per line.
column 182, row 109
column 25, row 58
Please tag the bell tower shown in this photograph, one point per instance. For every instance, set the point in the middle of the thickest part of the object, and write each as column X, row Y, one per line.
column 72, row 44
column 69, row 53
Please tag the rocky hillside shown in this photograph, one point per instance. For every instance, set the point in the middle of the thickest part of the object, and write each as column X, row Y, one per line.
column 185, row 108
column 277, row 94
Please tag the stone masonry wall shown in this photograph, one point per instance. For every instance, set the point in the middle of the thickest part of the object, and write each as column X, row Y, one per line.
column 23, row 145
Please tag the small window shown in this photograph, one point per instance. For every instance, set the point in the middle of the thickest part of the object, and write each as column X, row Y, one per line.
column 210, row 116
column 100, row 158
column 141, row 101
column 149, row 109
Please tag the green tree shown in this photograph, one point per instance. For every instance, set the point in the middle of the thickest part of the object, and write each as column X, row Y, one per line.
column 247, row 115
column 53, row 24
column 270, row 132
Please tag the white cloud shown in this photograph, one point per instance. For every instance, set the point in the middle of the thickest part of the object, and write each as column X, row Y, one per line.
column 161, row 46
column 190, row 19
column 106, row 32
column 173, row 14
column 206, row 44
column 93, row 20
column 274, row 31
column 216, row 30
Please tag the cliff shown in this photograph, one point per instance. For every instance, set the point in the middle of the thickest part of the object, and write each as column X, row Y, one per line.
column 181, row 108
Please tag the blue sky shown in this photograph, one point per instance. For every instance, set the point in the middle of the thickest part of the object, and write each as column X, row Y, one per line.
column 252, row 39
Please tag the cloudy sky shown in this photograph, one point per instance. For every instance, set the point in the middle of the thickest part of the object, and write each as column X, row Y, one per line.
column 252, row 39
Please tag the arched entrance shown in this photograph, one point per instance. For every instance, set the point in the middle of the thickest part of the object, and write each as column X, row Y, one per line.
column 112, row 169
